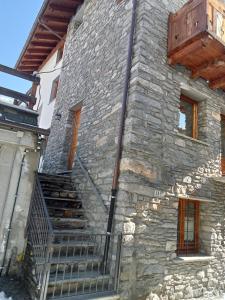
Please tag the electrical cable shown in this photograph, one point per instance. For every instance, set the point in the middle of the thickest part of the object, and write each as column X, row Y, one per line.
column 53, row 70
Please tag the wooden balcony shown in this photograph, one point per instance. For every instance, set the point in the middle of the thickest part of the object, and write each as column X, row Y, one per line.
column 197, row 40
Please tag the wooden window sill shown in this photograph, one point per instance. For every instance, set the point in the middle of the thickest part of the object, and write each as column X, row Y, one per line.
column 191, row 139
column 194, row 258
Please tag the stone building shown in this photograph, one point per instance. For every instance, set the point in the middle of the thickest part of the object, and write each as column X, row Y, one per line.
column 170, row 195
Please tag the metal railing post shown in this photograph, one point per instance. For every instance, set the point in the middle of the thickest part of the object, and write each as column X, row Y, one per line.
column 118, row 261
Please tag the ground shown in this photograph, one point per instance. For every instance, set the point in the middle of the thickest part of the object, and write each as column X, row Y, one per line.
column 13, row 288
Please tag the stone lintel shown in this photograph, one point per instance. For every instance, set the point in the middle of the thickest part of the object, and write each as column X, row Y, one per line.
column 196, row 198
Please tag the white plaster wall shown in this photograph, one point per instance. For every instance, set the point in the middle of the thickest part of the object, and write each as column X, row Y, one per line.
column 12, row 149
column 43, row 106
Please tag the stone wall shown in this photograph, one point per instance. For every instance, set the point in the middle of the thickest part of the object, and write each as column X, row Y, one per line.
column 159, row 164
column 96, row 54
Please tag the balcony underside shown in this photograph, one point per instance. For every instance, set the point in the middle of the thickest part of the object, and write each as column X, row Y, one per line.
column 204, row 55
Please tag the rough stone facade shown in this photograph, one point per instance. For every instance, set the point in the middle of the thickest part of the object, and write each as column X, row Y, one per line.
column 95, row 56
column 159, row 164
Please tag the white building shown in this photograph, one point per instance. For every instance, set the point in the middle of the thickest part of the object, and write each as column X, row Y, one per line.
column 47, row 90
column 43, row 53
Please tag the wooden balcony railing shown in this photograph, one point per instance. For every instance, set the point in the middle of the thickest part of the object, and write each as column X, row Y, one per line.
column 197, row 40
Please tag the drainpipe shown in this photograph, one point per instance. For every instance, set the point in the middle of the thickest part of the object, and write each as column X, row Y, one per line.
column 121, row 130
column 11, row 217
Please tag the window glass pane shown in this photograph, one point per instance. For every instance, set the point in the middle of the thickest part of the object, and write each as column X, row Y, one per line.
column 186, row 118
column 189, row 222
column 188, row 227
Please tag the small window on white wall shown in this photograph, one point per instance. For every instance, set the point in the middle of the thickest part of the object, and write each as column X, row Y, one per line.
column 59, row 54
column 55, row 85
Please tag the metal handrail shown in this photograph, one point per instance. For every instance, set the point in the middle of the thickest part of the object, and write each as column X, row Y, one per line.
column 40, row 235
column 42, row 240
column 44, row 206
column 88, row 177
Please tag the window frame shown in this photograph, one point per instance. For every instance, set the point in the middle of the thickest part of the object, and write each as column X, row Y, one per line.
column 59, row 55
column 184, row 98
column 191, row 247
column 54, row 90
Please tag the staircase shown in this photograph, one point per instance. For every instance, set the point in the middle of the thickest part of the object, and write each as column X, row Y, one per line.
column 64, row 258
column 64, row 207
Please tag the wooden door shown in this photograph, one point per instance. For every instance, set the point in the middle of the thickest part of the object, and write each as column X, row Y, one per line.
column 74, row 138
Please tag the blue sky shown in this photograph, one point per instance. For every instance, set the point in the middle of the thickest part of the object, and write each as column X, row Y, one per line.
column 16, row 20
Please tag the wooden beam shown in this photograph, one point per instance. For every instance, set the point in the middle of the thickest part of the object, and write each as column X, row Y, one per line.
column 27, row 69
column 62, row 8
column 26, row 61
column 38, row 50
column 17, row 95
column 46, row 36
column 210, row 64
column 61, row 20
column 174, row 58
column 58, row 29
column 34, row 57
column 217, row 83
column 43, row 44
column 17, row 73
column 30, row 63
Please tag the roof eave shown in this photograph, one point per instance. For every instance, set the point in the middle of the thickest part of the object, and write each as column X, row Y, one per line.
column 43, row 7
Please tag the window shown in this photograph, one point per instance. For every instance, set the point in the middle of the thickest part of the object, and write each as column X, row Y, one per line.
column 188, row 117
column 59, row 54
column 55, row 85
column 188, row 227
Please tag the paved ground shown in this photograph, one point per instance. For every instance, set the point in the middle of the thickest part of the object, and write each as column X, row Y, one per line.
column 13, row 288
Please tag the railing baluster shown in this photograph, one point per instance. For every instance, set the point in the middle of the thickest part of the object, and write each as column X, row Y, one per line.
column 69, row 277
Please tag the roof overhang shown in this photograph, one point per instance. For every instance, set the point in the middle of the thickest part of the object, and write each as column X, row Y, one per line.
column 48, row 31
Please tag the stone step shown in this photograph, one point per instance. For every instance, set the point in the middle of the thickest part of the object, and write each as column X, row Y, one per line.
column 77, row 244
column 74, row 267
column 70, row 232
column 95, row 296
column 76, row 259
column 64, row 234
column 62, row 199
column 68, row 212
column 66, row 172
column 80, row 210
column 76, row 248
column 53, row 176
column 80, row 283
column 57, row 185
column 58, row 190
column 87, row 276
column 69, row 223
column 71, row 260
